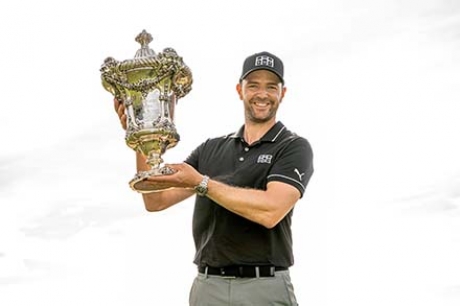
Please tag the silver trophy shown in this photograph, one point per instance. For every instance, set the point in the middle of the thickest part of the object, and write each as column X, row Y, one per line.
column 149, row 86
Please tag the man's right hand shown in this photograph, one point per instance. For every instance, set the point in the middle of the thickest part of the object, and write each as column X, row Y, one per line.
column 120, row 109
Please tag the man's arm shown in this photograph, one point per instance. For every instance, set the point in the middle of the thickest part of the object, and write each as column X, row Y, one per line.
column 266, row 207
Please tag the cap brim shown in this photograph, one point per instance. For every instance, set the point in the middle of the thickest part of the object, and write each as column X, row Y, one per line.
column 262, row 68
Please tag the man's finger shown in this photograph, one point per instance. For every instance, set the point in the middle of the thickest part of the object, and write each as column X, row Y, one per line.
column 121, row 111
column 116, row 104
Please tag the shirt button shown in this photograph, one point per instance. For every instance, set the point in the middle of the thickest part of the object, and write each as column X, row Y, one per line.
column 246, row 149
column 241, row 158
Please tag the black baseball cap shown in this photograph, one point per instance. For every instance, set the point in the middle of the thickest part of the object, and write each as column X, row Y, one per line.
column 263, row 61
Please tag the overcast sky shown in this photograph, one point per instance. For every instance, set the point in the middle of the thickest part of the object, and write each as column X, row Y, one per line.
column 373, row 85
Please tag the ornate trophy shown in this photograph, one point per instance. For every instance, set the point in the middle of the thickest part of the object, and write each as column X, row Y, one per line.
column 149, row 86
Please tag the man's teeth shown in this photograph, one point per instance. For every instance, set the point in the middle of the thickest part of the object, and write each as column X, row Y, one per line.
column 261, row 103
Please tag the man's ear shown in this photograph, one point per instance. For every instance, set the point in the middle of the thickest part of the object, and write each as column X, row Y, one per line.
column 239, row 90
column 283, row 92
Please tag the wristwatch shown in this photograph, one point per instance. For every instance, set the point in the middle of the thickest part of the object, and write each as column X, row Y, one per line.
column 202, row 188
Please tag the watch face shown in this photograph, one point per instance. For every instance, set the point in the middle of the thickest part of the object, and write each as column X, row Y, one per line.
column 202, row 188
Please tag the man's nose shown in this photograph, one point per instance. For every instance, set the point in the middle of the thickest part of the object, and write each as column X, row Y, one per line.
column 262, row 92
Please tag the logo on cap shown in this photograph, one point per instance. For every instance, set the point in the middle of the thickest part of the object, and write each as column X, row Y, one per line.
column 264, row 60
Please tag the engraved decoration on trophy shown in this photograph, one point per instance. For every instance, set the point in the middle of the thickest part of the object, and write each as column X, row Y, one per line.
column 149, row 86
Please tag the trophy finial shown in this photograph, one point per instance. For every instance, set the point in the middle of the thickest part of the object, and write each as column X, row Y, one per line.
column 144, row 38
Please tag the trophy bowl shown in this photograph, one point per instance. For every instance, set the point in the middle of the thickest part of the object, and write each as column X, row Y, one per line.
column 149, row 86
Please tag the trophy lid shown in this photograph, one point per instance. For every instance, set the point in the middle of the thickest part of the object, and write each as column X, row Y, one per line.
column 147, row 71
column 144, row 38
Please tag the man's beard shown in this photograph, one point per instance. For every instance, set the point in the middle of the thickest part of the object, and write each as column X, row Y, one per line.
column 251, row 114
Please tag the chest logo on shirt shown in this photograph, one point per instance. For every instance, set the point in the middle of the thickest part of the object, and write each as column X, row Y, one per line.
column 265, row 159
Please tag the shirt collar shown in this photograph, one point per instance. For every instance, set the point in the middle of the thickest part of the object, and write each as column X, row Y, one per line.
column 271, row 136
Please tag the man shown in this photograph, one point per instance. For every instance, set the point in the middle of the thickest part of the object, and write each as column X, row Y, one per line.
column 247, row 184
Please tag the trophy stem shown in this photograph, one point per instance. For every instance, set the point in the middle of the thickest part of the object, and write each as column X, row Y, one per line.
column 154, row 160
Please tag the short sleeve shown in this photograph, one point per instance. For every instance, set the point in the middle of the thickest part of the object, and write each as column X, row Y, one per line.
column 294, row 164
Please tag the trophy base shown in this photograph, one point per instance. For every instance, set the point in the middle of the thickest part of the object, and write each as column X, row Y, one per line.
column 141, row 185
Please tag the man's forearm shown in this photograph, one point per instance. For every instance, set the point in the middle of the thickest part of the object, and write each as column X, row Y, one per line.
column 261, row 206
column 141, row 162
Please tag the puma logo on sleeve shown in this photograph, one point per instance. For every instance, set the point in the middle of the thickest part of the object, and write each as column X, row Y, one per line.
column 299, row 174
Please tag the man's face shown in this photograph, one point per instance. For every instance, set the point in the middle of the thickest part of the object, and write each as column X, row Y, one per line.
column 261, row 92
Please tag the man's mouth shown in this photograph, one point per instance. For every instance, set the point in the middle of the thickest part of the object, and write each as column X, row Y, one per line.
column 261, row 103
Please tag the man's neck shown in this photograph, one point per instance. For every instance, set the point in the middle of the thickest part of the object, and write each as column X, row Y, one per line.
column 255, row 131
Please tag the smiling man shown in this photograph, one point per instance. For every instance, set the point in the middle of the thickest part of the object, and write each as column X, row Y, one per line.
column 247, row 184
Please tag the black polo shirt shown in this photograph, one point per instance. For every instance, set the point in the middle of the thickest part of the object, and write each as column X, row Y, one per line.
column 223, row 238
